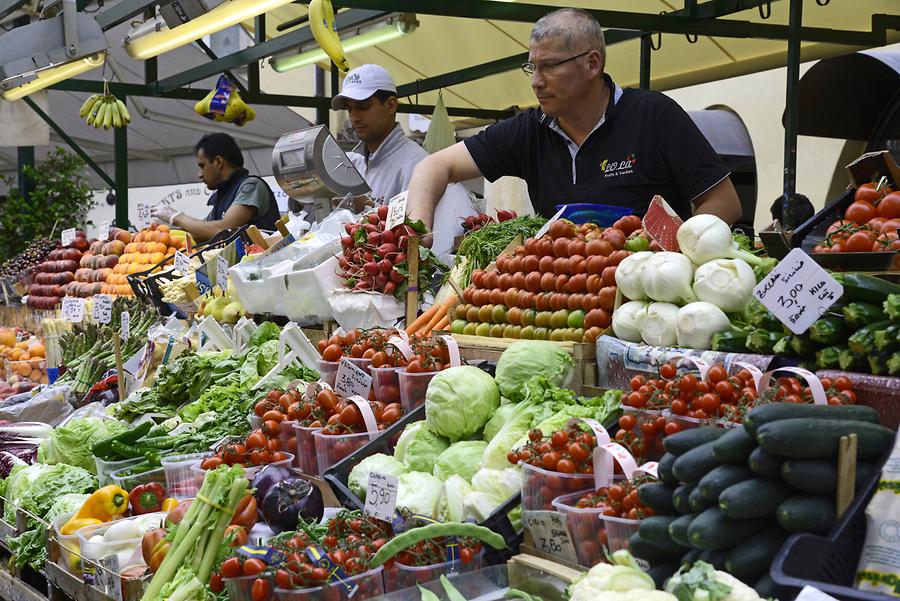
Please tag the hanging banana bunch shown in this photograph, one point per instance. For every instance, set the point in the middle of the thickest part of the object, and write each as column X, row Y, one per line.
column 105, row 110
column 321, row 22
column 225, row 105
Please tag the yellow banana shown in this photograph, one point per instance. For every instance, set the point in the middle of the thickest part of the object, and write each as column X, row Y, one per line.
column 88, row 105
column 123, row 110
column 101, row 115
column 95, row 111
column 321, row 22
column 110, row 110
column 116, row 115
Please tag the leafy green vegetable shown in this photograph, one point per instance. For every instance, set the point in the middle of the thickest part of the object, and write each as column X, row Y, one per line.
column 459, row 401
column 72, row 442
column 36, row 487
column 481, row 247
column 358, row 481
column 528, row 358
column 418, row 447
column 30, row 547
column 461, row 458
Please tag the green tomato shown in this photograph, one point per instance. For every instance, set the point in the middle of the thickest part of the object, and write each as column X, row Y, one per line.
column 483, row 329
column 637, row 244
column 559, row 319
column 575, row 319
column 458, row 326
column 496, row 331
column 498, row 314
column 528, row 317
column 527, row 333
column 541, row 333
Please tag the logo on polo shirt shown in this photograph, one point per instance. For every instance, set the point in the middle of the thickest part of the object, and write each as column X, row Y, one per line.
column 617, row 168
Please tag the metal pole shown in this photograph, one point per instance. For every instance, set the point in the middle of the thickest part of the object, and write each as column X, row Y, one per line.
column 792, row 113
column 321, row 111
column 645, row 61
column 120, row 141
column 259, row 36
column 151, row 75
column 26, row 159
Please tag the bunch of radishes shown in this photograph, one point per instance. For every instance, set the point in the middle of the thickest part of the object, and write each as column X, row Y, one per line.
column 374, row 258
column 473, row 223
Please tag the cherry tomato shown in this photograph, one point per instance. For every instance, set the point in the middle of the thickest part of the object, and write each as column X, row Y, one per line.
column 216, row 584
column 688, row 383
column 332, row 353
column 716, row 373
column 261, row 588
column 843, row 383
column 849, row 395
column 253, row 566
column 231, row 567
column 256, row 441
column 565, row 466
column 627, row 422
column 327, row 400
column 858, row 242
column 725, row 390
column 860, row 211
column 667, row 371
column 559, row 439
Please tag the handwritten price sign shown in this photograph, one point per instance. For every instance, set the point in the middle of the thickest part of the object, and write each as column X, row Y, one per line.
column 396, row 211
column 102, row 310
column 182, row 263
column 351, row 380
column 125, row 332
column 67, row 236
column 103, row 231
column 381, row 496
column 73, row 309
column 222, row 272
column 550, row 533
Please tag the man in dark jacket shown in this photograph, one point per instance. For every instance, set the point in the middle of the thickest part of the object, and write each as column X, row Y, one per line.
column 238, row 198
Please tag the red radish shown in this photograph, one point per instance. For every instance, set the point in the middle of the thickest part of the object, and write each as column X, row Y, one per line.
column 386, row 249
column 385, row 266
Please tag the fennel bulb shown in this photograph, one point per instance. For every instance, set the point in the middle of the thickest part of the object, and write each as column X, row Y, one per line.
column 667, row 277
column 706, row 237
column 697, row 322
column 628, row 275
column 660, row 325
column 726, row 283
column 627, row 321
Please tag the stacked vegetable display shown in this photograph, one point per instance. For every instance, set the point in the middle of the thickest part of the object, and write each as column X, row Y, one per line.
column 21, row 265
column 145, row 249
column 52, row 276
column 869, row 223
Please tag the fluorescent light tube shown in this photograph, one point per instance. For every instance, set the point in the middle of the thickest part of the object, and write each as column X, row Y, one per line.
column 363, row 40
column 223, row 16
column 48, row 77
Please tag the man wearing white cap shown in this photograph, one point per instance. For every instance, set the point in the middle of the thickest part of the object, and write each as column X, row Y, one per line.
column 385, row 157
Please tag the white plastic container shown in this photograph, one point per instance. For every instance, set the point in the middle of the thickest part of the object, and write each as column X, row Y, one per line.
column 304, row 295
column 181, row 481
column 99, row 555
column 105, row 469
column 69, row 547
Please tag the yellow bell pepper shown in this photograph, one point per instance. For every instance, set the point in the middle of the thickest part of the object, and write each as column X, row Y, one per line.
column 102, row 506
column 74, row 525
column 169, row 504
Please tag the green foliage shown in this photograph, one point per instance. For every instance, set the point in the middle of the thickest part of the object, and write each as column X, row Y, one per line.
column 61, row 197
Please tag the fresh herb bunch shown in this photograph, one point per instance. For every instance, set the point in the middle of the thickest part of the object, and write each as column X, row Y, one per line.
column 480, row 247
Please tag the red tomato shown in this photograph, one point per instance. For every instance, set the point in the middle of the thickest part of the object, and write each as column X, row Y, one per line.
column 889, row 206
column 231, row 567
column 261, row 589
column 867, row 193
column 860, row 212
column 858, row 242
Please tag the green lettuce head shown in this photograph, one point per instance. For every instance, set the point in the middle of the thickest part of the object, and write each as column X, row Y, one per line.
column 462, row 458
column 528, row 358
column 379, row 462
column 460, row 401
column 418, row 447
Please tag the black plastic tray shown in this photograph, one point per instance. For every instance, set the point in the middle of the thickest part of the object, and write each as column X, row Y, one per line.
column 829, row 563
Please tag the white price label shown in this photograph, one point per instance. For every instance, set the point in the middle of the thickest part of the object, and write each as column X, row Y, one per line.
column 143, row 215
column 351, row 380
column 550, row 533
column 546, row 227
column 108, row 579
column 125, row 331
column 73, row 309
column 396, row 211
column 182, row 263
column 103, row 231
column 813, row 594
column 381, row 496
column 798, row 291
column 68, row 236
column 222, row 272
column 102, row 309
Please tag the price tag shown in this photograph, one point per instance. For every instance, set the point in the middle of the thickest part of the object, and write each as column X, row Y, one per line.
column 381, row 496
column 351, row 380
column 108, row 579
column 143, row 215
column 222, row 272
column 103, row 231
column 550, row 533
column 182, row 263
column 102, row 310
column 813, row 594
column 396, row 211
column 125, row 331
column 546, row 226
column 798, row 291
column 68, row 236
column 73, row 309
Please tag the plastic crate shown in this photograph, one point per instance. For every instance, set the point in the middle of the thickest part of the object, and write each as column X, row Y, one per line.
column 338, row 475
column 241, row 588
column 829, row 563
column 588, row 533
column 413, row 388
column 327, row 371
column 306, row 449
column 399, row 576
column 330, row 449
column 370, row 584
column 181, row 481
column 69, row 558
column 386, row 384
column 540, row 486
column 105, row 469
column 125, row 479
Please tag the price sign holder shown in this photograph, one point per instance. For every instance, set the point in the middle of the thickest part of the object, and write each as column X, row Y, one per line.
column 182, row 263
column 143, row 215
column 125, row 330
column 73, row 309
column 381, row 497
column 102, row 309
column 222, row 272
column 550, row 534
column 798, row 291
column 352, row 380
column 103, row 231
column 396, row 211
column 67, row 236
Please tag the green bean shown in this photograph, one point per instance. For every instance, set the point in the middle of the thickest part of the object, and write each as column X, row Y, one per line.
column 445, row 530
column 452, row 593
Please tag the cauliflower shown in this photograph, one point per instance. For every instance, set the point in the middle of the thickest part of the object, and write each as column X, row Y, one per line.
column 604, row 579
column 704, row 583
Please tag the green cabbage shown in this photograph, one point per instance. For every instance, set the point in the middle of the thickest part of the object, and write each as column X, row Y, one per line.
column 459, row 401
column 72, row 442
column 497, row 421
column 420, row 493
column 453, row 507
column 418, row 447
column 37, row 487
column 525, row 359
column 461, row 458
column 379, row 462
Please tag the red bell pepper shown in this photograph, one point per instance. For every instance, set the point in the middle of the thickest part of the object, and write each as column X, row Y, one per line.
column 147, row 498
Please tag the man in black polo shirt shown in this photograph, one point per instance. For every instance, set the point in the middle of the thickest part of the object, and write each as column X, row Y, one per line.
column 590, row 140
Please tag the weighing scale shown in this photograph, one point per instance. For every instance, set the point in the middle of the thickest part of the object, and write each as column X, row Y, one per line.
column 312, row 169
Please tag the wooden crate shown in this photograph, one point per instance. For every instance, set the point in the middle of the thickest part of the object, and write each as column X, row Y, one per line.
column 482, row 348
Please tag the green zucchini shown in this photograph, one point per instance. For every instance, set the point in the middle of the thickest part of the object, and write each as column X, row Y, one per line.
column 652, row 552
column 714, row 557
column 751, row 558
column 730, row 341
column 763, row 341
column 655, row 529
column 829, row 357
column 664, row 469
column 803, row 346
column 680, row 498
column 658, row 497
column 753, row 498
column 682, row 442
column 766, row 588
column 828, row 329
column 894, row 364
column 785, row 346
column 678, row 529
column 695, row 464
column 697, row 502
column 878, row 362
column 661, row 572
column 724, row 476
column 778, row 411
column 818, row 438
column 759, row 317
column 863, row 340
column 887, row 339
column 819, row 476
column 865, row 288
column 891, row 306
column 849, row 360
column 764, row 463
column 806, row 513
column 858, row 314
column 103, row 449
column 713, row 530
column 734, row 446
column 690, row 557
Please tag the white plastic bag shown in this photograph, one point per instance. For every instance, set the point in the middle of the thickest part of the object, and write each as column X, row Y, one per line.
column 879, row 562
column 50, row 405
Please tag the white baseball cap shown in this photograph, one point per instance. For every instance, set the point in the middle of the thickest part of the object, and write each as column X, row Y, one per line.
column 361, row 83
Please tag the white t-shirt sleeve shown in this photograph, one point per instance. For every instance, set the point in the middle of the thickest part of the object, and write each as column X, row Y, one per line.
column 454, row 206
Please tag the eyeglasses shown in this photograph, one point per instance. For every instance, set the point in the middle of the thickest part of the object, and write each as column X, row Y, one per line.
column 547, row 67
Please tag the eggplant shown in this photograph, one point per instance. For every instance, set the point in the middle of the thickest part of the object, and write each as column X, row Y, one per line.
column 289, row 500
column 266, row 477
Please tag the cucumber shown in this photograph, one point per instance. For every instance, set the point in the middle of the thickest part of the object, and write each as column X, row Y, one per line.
column 751, row 558
column 753, row 498
column 778, row 411
column 655, row 529
column 697, row 502
column 806, row 513
column 713, row 530
column 680, row 498
column 664, row 469
column 662, row 572
column 734, row 446
column 690, row 557
column 766, row 588
column 818, row 438
column 682, row 442
column 716, row 558
column 819, row 476
column 678, row 529
column 764, row 463
column 863, row 340
column 696, row 463
column 713, row 483
column 658, row 497
column 652, row 552
column 865, row 288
